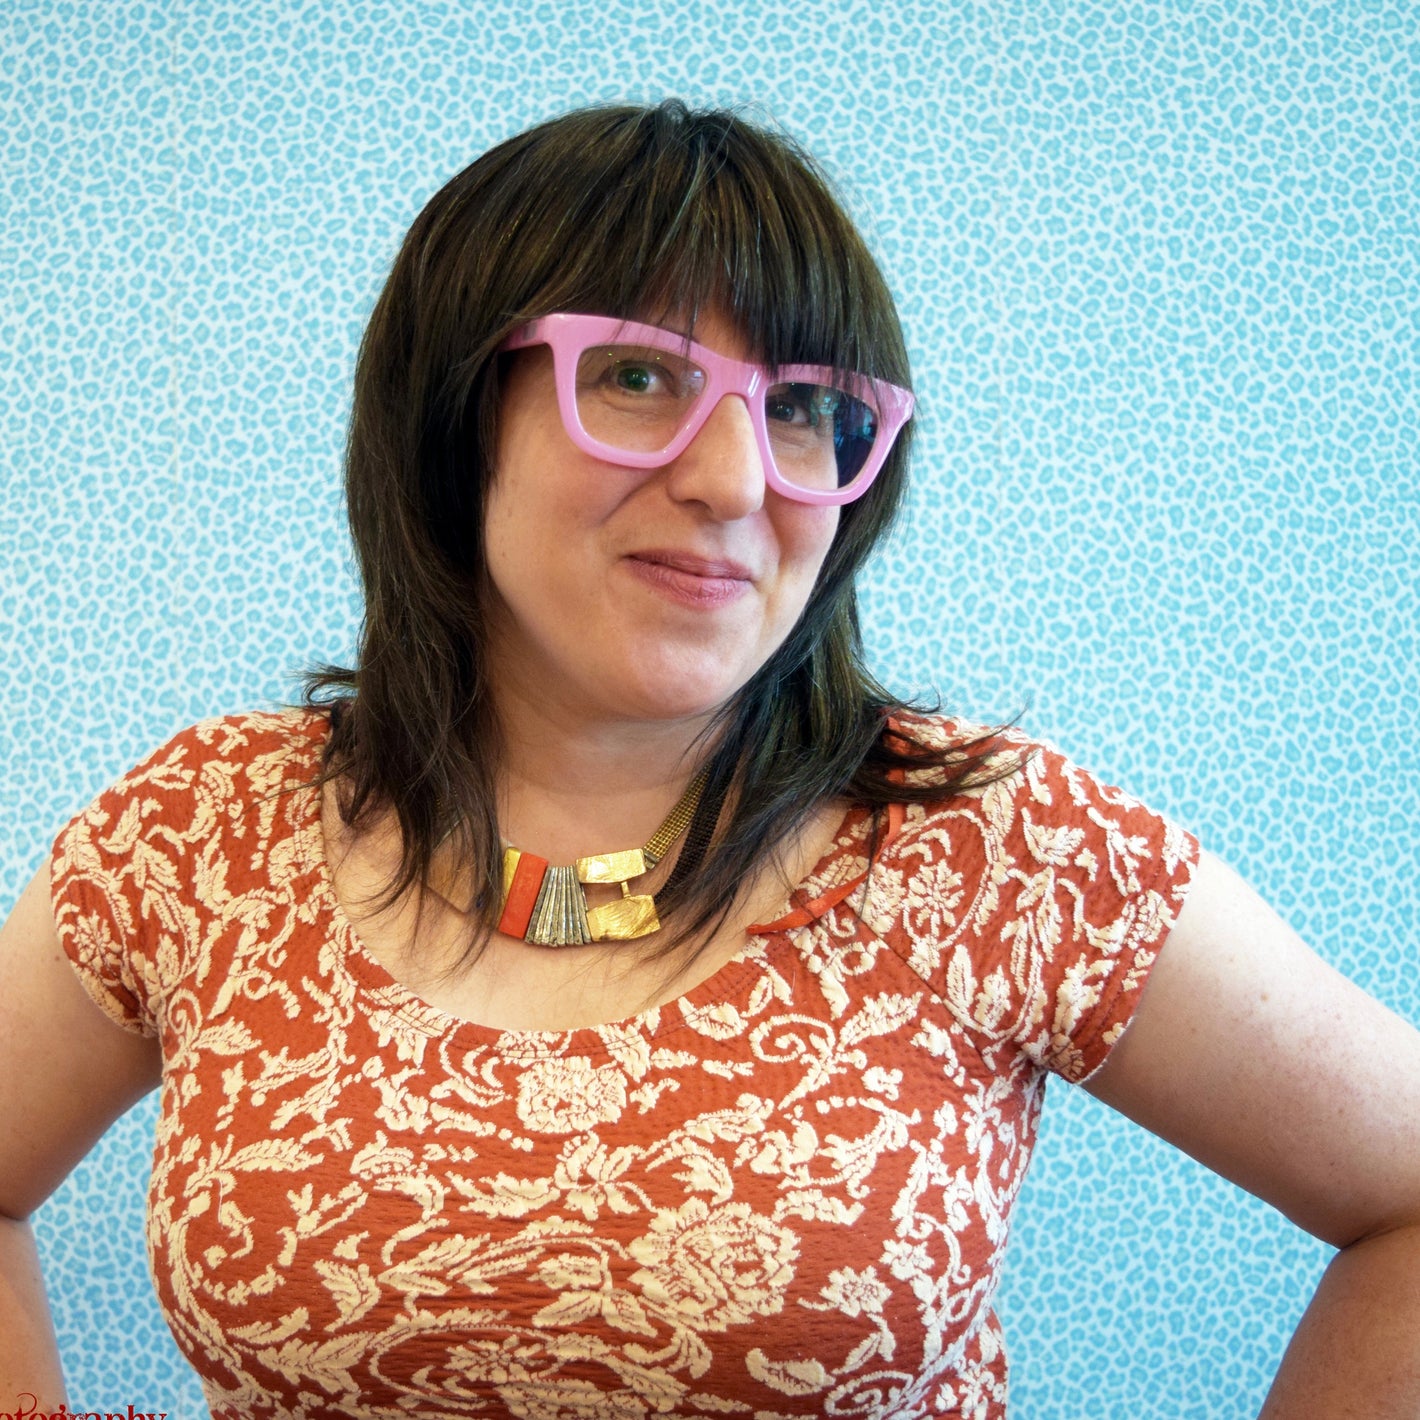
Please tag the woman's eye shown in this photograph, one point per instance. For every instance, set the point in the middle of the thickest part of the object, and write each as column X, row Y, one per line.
column 786, row 408
column 635, row 379
column 802, row 404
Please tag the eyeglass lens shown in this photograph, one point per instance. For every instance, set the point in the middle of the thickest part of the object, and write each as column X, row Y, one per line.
column 637, row 399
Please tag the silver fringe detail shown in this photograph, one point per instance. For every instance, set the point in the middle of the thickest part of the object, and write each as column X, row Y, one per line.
column 559, row 916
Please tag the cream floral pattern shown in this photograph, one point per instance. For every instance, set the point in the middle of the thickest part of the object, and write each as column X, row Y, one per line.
column 786, row 1194
column 559, row 1096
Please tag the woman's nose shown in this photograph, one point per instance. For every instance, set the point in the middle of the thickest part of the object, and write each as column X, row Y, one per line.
column 722, row 466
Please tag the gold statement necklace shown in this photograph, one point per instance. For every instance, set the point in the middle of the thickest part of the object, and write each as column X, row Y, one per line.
column 546, row 903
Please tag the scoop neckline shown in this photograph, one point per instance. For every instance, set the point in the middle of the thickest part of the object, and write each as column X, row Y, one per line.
column 376, row 981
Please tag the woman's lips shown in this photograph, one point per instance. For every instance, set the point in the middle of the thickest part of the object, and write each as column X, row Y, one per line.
column 690, row 579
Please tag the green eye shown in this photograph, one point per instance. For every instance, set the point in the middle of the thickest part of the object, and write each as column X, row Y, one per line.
column 635, row 378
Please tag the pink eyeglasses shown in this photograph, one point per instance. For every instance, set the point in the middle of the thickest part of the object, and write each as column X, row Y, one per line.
column 637, row 395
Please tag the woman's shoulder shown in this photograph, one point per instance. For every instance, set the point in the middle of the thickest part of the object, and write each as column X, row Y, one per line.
column 1031, row 792
column 257, row 745
column 206, row 772
column 137, row 876
column 953, row 736
column 250, row 734
column 961, row 755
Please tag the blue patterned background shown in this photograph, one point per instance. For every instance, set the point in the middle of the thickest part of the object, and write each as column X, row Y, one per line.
column 1158, row 264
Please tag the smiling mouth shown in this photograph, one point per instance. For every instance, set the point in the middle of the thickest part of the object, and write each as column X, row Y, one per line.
column 689, row 579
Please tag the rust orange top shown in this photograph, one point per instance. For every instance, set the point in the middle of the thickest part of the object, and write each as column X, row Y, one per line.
column 784, row 1194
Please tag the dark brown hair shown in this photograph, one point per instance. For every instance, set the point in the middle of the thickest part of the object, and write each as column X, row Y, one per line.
column 621, row 211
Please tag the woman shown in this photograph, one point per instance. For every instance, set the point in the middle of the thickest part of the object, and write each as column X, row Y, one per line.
column 604, row 999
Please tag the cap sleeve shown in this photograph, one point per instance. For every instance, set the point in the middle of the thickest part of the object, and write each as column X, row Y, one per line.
column 148, row 878
column 1036, row 905
column 112, row 872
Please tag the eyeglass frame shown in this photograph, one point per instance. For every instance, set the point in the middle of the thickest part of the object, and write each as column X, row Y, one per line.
column 569, row 335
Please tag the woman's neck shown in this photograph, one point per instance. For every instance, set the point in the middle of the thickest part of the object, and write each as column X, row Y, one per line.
column 572, row 786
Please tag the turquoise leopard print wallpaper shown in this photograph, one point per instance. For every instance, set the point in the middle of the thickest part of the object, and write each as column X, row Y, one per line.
column 1158, row 265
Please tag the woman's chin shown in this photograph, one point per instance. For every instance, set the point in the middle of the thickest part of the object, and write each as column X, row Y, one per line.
column 673, row 692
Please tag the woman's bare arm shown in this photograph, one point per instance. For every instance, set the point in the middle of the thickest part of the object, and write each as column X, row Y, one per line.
column 66, row 1073
column 1260, row 1061
column 29, row 1357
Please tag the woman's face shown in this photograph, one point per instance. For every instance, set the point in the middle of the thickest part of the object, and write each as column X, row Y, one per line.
column 639, row 594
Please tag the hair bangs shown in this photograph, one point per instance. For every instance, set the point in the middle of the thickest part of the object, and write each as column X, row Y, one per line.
column 665, row 212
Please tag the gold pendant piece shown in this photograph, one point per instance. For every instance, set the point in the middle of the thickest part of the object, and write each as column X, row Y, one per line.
column 627, row 917
column 611, row 867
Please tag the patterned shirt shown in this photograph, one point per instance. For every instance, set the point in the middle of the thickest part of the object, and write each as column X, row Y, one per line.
column 784, row 1194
